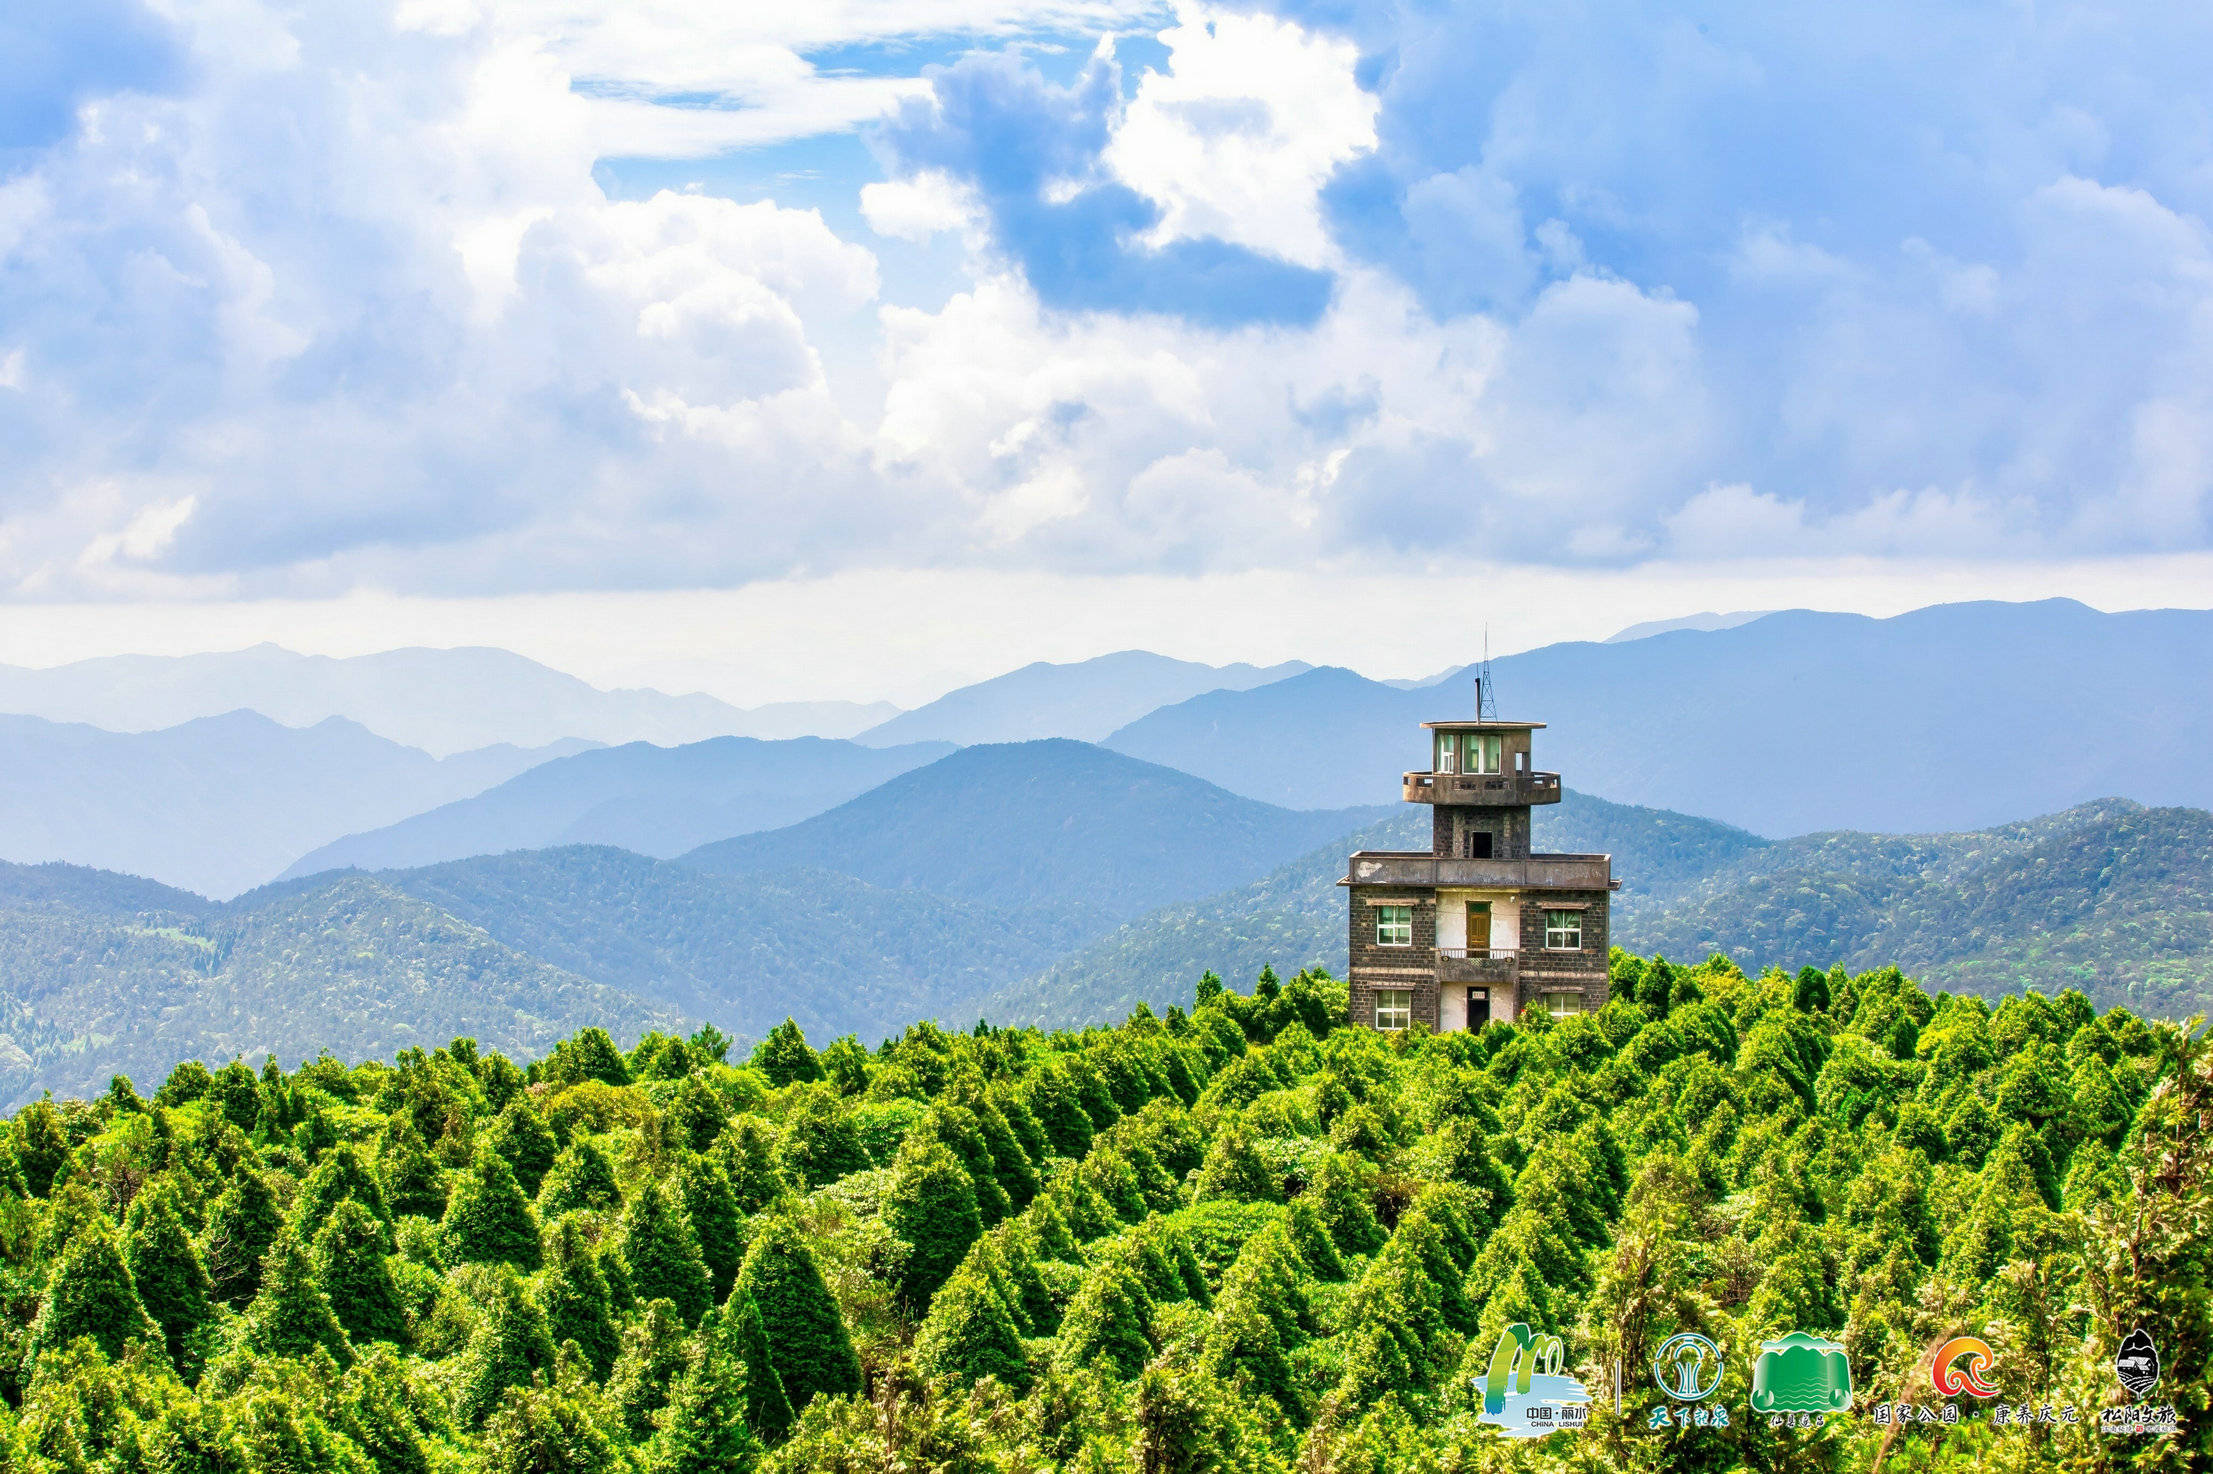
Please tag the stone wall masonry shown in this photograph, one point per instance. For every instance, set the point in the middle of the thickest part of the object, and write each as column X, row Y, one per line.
column 1376, row 967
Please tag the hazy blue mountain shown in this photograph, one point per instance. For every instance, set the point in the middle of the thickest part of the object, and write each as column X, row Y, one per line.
column 221, row 803
column 1954, row 717
column 653, row 800
column 1085, row 700
column 1054, row 823
column 1295, row 917
column 1707, row 621
column 2110, row 897
column 103, row 975
column 443, row 701
column 837, row 954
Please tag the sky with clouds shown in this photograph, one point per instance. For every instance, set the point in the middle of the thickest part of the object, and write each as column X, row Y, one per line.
column 1099, row 320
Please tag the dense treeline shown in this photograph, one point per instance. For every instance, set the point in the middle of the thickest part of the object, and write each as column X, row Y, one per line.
column 1243, row 1238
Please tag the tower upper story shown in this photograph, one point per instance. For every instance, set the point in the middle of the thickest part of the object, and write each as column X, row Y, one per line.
column 1484, row 764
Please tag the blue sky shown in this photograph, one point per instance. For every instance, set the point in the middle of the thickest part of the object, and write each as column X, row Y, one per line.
column 449, row 306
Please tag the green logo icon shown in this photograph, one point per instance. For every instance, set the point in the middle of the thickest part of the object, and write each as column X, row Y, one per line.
column 1801, row 1374
column 1525, row 1393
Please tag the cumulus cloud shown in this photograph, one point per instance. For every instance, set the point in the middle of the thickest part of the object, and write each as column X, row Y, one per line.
column 304, row 300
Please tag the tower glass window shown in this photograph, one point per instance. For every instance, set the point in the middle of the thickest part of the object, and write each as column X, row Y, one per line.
column 1394, row 1008
column 1470, row 752
column 1563, row 931
column 1394, row 926
column 1560, row 1005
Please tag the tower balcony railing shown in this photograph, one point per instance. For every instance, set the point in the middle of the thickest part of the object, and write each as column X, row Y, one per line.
column 1477, row 964
column 1428, row 871
column 1505, row 790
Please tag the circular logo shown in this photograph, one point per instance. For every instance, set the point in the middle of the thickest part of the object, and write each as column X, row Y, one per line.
column 1687, row 1367
column 1952, row 1380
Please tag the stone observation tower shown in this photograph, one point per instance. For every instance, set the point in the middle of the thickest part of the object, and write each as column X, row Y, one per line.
column 1477, row 927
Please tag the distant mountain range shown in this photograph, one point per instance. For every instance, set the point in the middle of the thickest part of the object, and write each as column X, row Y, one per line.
column 925, row 896
column 222, row 803
column 443, row 701
column 2109, row 897
column 1085, row 700
column 1027, row 912
column 654, row 800
column 1953, row 717
column 103, row 974
column 1295, row 917
column 1056, row 823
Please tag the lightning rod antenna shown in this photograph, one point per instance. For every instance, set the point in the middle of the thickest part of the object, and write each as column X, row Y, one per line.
column 1486, row 690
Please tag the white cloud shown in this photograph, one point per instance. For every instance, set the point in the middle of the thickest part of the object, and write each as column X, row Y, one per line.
column 916, row 208
column 1236, row 138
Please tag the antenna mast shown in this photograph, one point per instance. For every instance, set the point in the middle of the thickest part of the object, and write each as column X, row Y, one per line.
column 1486, row 690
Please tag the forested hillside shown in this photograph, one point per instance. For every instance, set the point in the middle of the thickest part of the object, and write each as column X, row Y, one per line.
column 103, row 973
column 1295, row 917
column 2108, row 897
column 1239, row 1239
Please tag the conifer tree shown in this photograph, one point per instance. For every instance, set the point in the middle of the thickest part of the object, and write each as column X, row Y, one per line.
column 712, row 1211
column 588, row 1054
column 768, row 1411
column 1235, row 1169
column 510, row 1346
column 166, row 1269
column 705, row 1430
column 820, row 1143
column 932, row 1208
column 1310, row 1236
column 654, row 1349
column 90, row 1293
column 1106, row 1321
column 488, row 1220
column 339, row 1175
column 747, row 1155
column 582, row 1177
column 292, row 1315
column 806, row 1335
column 520, row 1137
column 969, row 1335
column 548, row 1430
column 351, row 1266
column 241, row 1227
column 697, row 1113
column 414, row 1183
column 40, row 1147
column 574, row 1294
column 662, row 1254
column 785, row 1058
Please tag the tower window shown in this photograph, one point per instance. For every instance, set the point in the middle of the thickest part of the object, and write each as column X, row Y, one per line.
column 1480, row 842
column 1561, row 1005
column 1394, row 1008
column 1394, row 926
column 1470, row 752
column 1563, row 931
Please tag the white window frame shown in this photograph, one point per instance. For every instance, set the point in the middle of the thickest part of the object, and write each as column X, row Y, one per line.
column 1561, row 1005
column 1555, row 928
column 1394, row 926
column 1490, row 752
column 1394, row 1009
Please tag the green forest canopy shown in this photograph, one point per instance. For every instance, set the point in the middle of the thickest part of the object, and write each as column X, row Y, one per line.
column 1243, row 1238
